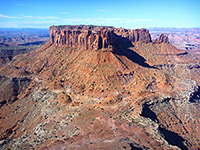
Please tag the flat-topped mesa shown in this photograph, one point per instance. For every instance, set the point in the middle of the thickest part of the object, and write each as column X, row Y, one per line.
column 94, row 37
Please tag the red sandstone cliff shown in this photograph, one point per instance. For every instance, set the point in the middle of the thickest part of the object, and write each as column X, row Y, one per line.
column 94, row 37
column 134, row 35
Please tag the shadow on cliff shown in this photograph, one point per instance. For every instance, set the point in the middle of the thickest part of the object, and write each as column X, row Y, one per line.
column 148, row 113
column 196, row 96
column 171, row 137
column 121, row 47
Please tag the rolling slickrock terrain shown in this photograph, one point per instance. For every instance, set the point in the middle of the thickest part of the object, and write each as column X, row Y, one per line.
column 95, row 87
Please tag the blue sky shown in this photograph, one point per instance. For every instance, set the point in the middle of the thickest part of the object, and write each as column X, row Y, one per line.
column 119, row 13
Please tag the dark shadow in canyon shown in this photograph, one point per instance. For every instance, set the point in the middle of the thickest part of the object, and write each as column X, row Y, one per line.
column 121, row 47
column 148, row 113
column 196, row 96
column 173, row 138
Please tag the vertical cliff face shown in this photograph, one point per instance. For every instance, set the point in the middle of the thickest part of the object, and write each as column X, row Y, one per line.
column 134, row 35
column 94, row 37
column 81, row 37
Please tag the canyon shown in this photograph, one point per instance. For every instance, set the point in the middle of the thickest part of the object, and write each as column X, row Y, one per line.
column 100, row 87
column 181, row 38
column 15, row 41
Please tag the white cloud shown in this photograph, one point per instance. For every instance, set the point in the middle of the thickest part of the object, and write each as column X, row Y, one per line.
column 80, row 20
column 46, row 21
column 7, row 17
column 27, row 17
column 40, row 22
column 64, row 12
column 103, row 10
column 105, row 20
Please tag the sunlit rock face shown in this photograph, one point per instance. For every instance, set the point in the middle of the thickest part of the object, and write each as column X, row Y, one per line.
column 93, row 37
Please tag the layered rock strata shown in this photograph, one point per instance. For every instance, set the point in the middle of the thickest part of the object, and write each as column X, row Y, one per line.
column 134, row 35
column 94, row 37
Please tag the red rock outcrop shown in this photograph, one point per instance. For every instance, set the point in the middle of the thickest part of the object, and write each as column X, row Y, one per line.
column 162, row 39
column 94, row 37
column 134, row 35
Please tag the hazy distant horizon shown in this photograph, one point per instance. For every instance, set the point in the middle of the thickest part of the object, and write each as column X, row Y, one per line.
column 127, row 14
column 2, row 28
